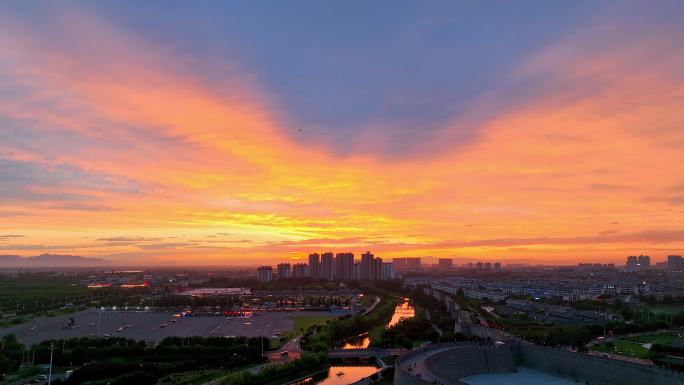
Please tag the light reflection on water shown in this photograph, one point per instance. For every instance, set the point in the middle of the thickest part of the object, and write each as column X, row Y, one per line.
column 339, row 375
column 404, row 310
column 359, row 342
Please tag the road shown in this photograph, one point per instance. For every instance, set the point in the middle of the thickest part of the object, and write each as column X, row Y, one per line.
column 292, row 348
column 276, row 357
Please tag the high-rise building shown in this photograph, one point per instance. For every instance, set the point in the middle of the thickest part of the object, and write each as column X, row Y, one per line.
column 356, row 272
column 327, row 266
column 344, row 266
column 314, row 266
column 264, row 274
column 377, row 269
column 399, row 264
column 644, row 262
column 367, row 266
column 632, row 262
column 479, row 266
column 388, row 270
column 413, row 264
column 488, row 266
column 675, row 263
column 299, row 270
column 497, row 266
column 445, row 263
column 406, row 264
column 284, row 270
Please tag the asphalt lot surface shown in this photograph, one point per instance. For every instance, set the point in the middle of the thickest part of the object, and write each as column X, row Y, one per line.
column 147, row 325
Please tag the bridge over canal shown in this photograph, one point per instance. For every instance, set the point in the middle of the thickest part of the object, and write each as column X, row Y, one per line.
column 363, row 353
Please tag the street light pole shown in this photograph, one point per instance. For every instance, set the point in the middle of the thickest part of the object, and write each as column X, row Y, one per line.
column 52, row 349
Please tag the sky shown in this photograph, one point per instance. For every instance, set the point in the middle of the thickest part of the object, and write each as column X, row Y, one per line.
column 242, row 132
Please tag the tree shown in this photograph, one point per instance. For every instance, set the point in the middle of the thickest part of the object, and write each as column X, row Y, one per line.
column 447, row 337
column 627, row 313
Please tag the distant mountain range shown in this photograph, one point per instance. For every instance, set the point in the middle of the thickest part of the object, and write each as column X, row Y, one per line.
column 50, row 260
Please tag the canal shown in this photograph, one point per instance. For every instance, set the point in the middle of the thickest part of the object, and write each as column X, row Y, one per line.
column 404, row 310
column 342, row 373
column 345, row 372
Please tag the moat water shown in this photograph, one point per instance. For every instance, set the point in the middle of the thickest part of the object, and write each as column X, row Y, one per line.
column 404, row 310
column 340, row 374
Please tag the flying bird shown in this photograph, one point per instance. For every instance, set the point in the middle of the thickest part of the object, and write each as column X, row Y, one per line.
column 303, row 131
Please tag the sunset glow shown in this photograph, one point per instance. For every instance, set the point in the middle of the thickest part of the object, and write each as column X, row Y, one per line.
column 185, row 145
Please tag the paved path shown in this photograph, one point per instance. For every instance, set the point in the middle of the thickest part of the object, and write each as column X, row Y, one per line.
column 372, row 307
column 622, row 336
column 360, row 353
column 417, row 364
column 641, row 361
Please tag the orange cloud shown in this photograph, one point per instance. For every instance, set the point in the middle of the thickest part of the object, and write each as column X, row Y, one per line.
column 582, row 169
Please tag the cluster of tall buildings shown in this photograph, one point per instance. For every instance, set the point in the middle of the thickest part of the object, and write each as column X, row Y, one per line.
column 641, row 262
column 329, row 267
column 406, row 264
column 445, row 264
column 486, row 266
column 675, row 263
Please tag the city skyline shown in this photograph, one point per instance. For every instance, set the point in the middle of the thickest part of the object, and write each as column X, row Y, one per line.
column 177, row 134
column 340, row 264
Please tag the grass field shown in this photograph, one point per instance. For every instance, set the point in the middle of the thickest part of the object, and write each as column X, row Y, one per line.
column 667, row 309
column 192, row 378
column 26, row 289
column 367, row 300
column 623, row 348
column 658, row 338
column 303, row 323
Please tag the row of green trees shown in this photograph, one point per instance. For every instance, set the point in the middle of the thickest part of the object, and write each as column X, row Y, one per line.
column 11, row 353
column 322, row 338
column 279, row 374
column 438, row 312
column 122, row 360
column 175, row 301
column 419, row 328
column 405, row 333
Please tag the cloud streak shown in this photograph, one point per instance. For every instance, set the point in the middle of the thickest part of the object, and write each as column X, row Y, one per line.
column 109, row 129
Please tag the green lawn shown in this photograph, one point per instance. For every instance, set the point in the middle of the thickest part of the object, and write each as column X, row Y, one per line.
column 667, row 309
column 305, row 322
column 623, row 348
column 658, row 338
column 192, row 378
column 28, row 288
column 367, row 300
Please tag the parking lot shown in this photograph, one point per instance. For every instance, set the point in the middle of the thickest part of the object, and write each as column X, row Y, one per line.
column 146, row 325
